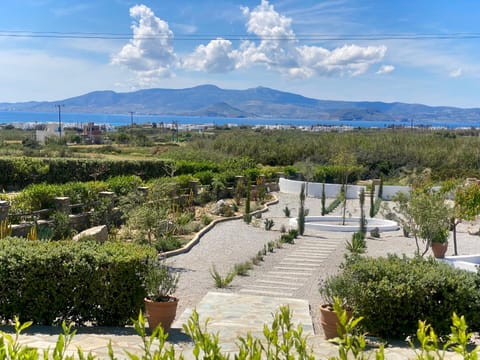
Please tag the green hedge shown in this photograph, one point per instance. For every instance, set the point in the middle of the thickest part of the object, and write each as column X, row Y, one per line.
column 48, row 282
column 19, row 172
column 393, row 293
column 41, row 196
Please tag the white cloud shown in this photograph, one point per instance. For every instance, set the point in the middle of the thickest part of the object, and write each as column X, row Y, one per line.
column 277, row 48
column 217, row 57
column 150, row 52
column 385, row 69
column 456, row 73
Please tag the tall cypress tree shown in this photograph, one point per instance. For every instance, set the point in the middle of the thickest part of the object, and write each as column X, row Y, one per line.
column 363, row 225
column 372, row 201
column 247, row 217
column 301, row 211
column 324, row 210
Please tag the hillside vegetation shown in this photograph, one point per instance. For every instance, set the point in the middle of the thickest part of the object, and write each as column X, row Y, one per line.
column 321, row 156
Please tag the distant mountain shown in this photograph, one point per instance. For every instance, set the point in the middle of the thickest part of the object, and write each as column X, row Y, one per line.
column 210, row 100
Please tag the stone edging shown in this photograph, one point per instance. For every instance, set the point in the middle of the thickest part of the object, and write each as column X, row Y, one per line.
column 198, row 236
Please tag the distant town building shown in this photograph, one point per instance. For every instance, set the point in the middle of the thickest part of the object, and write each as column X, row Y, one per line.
column 51, row 130
column 93, row 134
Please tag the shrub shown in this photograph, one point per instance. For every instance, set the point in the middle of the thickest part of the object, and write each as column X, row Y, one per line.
column 167, row 243
column 206, row 219
column 293, row 232
column 123, row 184
column 357, row 245
column 61, row 226
column 269, row 223
column 48, row 282
column 286, row 211
column 392, row 293
column 243, row 268
column 375, row 232
column 334, row 204
column 287, row 238
column 221, row 281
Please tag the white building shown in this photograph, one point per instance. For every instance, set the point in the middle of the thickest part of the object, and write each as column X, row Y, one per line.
column 51, row 130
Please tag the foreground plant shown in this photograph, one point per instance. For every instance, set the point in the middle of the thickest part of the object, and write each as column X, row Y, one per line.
column 281, row 340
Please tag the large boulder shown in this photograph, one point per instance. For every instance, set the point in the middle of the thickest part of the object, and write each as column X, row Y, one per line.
column 98, row 233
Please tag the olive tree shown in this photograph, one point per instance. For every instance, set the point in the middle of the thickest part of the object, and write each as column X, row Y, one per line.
column 467, row 207
column 425, row 215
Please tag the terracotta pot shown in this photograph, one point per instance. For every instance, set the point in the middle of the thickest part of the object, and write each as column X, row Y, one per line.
column 329, row 321
column 439, row 249
column 160, row 313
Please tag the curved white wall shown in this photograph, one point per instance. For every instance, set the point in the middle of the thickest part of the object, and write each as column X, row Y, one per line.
column 332, row 190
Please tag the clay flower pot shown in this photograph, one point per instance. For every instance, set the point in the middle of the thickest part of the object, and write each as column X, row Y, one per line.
column 161, row 313
column 439, row 249
column 329, row 321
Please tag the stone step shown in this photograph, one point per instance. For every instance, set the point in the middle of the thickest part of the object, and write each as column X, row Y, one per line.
column 267, row 293
column 288, row 273
column 305, row 258
column 271, row 287
column 312, row 252
column 295, row 267
column 318, row 246
column 283, row 276
column 277, row 282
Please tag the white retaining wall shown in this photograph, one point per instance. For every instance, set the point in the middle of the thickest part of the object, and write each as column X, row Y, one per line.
column 315, row 189
column 390, row 190
column 332, row 190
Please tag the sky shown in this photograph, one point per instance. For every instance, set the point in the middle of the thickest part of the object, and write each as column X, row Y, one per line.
column 424, row 51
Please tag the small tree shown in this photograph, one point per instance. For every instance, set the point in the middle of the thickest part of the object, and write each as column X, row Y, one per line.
column 467, row 207
column 301, row 211
column 426, row 215
column 347, row 164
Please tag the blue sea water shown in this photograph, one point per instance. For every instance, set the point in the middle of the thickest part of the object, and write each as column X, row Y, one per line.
column 115, row 120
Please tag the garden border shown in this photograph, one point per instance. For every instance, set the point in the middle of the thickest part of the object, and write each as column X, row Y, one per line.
column 187, row 247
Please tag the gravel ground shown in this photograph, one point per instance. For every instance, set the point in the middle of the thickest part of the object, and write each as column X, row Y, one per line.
column 235, row 241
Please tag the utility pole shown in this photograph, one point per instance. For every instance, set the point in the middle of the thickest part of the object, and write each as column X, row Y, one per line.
column 131, row 124
column 131, row 119
column 59, row 107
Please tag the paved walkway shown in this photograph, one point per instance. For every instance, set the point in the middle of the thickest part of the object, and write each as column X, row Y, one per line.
column 230, row 316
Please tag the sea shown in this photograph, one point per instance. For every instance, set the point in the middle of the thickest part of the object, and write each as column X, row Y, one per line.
column 30, row 119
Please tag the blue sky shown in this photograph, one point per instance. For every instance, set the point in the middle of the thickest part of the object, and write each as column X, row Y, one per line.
column 424, row 51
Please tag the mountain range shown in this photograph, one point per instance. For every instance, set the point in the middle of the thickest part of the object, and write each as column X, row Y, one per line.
column 259, row 102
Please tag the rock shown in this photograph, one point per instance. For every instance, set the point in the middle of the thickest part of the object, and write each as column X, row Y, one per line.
column 218, row 208
column 98, row 233
column 474, row 230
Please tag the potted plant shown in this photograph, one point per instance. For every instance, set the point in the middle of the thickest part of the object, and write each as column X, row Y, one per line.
column 439, row 244
column 333, row 290
column 160, row 304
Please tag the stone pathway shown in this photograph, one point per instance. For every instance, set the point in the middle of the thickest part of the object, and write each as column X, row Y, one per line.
column 295, row 270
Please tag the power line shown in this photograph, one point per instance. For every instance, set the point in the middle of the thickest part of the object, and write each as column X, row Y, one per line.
column 206, row 37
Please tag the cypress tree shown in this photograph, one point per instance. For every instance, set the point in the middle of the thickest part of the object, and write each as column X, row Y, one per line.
column 363, row 227
column 323, row 200
column 372, row 201
column 301, row 211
